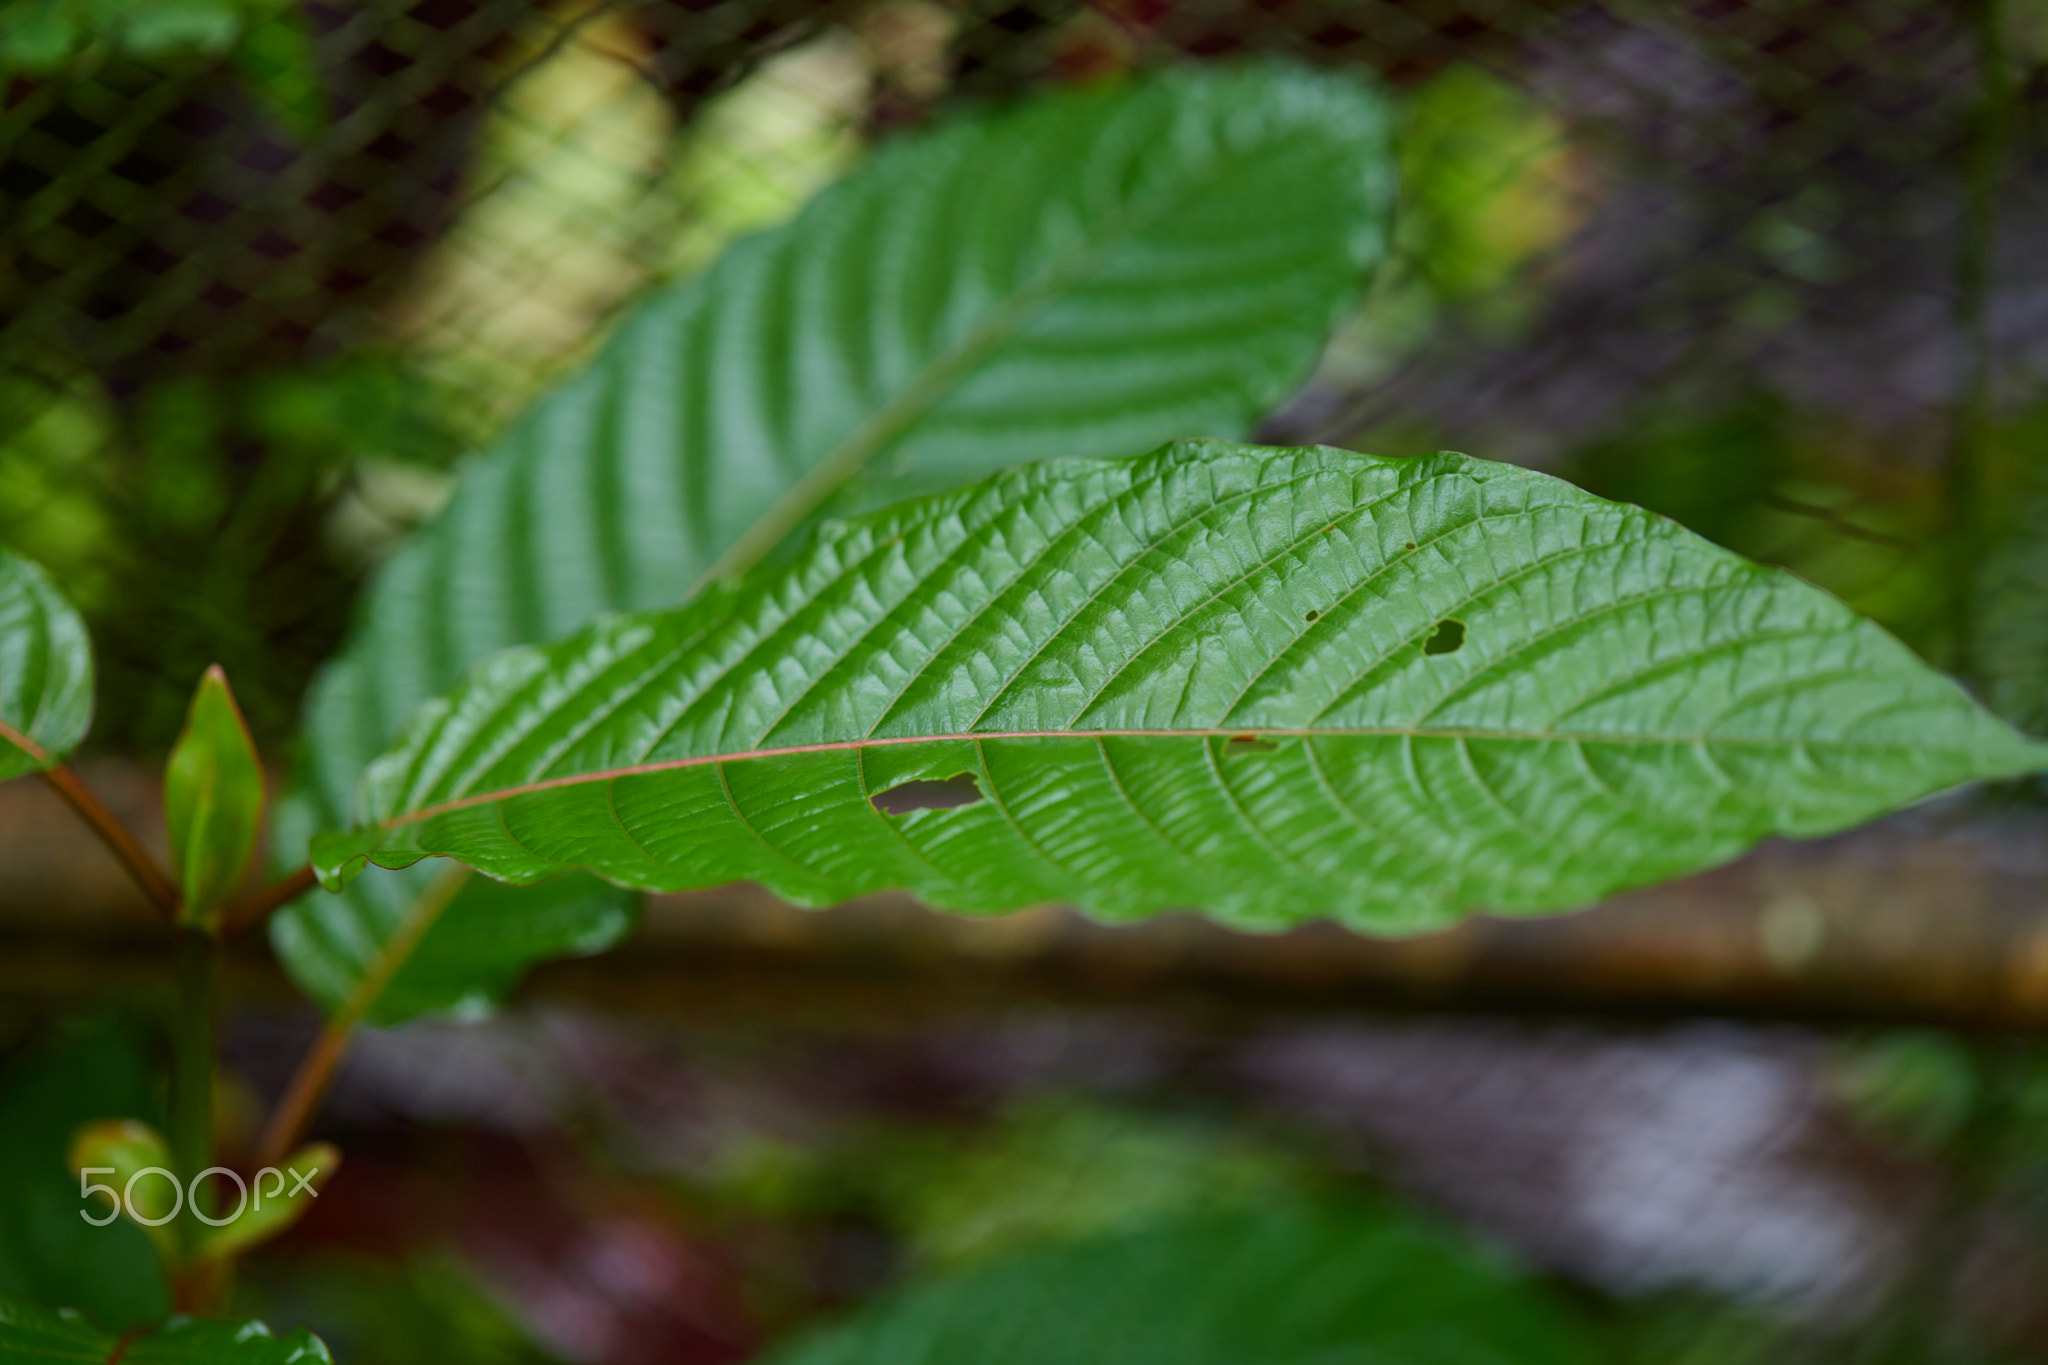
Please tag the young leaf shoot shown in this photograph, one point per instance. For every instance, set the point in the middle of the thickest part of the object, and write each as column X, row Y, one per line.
column 213, row 802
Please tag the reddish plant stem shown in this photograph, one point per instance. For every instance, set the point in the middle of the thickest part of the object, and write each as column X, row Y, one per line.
column 294, row 1112
column 200, row 1289
column 260, row 906
column 118, row 838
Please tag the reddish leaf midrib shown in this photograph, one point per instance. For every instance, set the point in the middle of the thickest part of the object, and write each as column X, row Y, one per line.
column 1214, row 732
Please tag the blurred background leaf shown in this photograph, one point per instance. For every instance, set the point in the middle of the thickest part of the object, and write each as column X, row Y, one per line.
column 42, row 35
column 83, row 1069
column 1293, row 1284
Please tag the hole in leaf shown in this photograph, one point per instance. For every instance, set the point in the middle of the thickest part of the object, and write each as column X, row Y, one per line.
column 1248, row 744
column 1407, row 544
column 958, row 790
column 1312, row 616
column 1449, row 638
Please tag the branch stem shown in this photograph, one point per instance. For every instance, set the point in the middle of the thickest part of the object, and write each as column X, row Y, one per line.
column 119, row 839
column 192, row 1063
column 260, row 906
column 301, row 1099
column 294, row 1112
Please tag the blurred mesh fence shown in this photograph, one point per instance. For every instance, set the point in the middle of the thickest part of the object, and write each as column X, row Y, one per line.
column 270, row 267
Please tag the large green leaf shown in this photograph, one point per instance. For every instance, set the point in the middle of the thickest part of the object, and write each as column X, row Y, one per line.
column 28, row 1333
column 1296, row 1286
column 45, row 671
column 1271, row 684
column 1098, row 271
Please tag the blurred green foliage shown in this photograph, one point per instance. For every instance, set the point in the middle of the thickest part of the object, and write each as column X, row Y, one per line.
column 1290, row 1284
column 424, row 1309
column 1490, row 182
column 41, row 35
column 1490, row 186
column 1050, row 1169
column 203, row 522
column 99, row 1066
column 990, row 1215
column 962, row 1197
column 2010, row 611
column 1911, row 1086
column 53, row 499
column 1057, row 1169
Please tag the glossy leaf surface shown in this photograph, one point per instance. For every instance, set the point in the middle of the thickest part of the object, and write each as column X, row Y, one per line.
column 1293, row 1287
column 213, row 801
column 1271, row 684
column 1154, row 260
column 45, row 671
column 28, row 1333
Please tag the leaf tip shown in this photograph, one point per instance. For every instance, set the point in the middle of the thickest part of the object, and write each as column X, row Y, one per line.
column 214, row 794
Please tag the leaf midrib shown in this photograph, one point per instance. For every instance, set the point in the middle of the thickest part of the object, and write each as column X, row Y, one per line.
column 1450, row 732
column 886, row 424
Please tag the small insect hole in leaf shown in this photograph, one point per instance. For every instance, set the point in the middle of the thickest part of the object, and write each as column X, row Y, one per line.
column 1313, row 616
column 1449, row 638
column 1248, row 744
column 1407, row 544
column 961, row 789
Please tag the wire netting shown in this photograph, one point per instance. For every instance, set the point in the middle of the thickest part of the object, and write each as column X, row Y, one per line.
column 268, row 272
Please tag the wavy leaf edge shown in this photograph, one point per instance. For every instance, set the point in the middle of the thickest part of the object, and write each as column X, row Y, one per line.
column 30, row 1331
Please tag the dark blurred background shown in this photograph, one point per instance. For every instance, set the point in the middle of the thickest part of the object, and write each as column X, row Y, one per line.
column 1777, row 268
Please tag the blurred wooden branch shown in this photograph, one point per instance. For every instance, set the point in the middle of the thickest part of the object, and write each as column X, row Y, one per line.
column 1938, row 916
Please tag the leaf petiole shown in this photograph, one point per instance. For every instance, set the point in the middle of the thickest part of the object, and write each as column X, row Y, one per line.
column 271, row 898
column 119, row 839
column 294, row 1112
